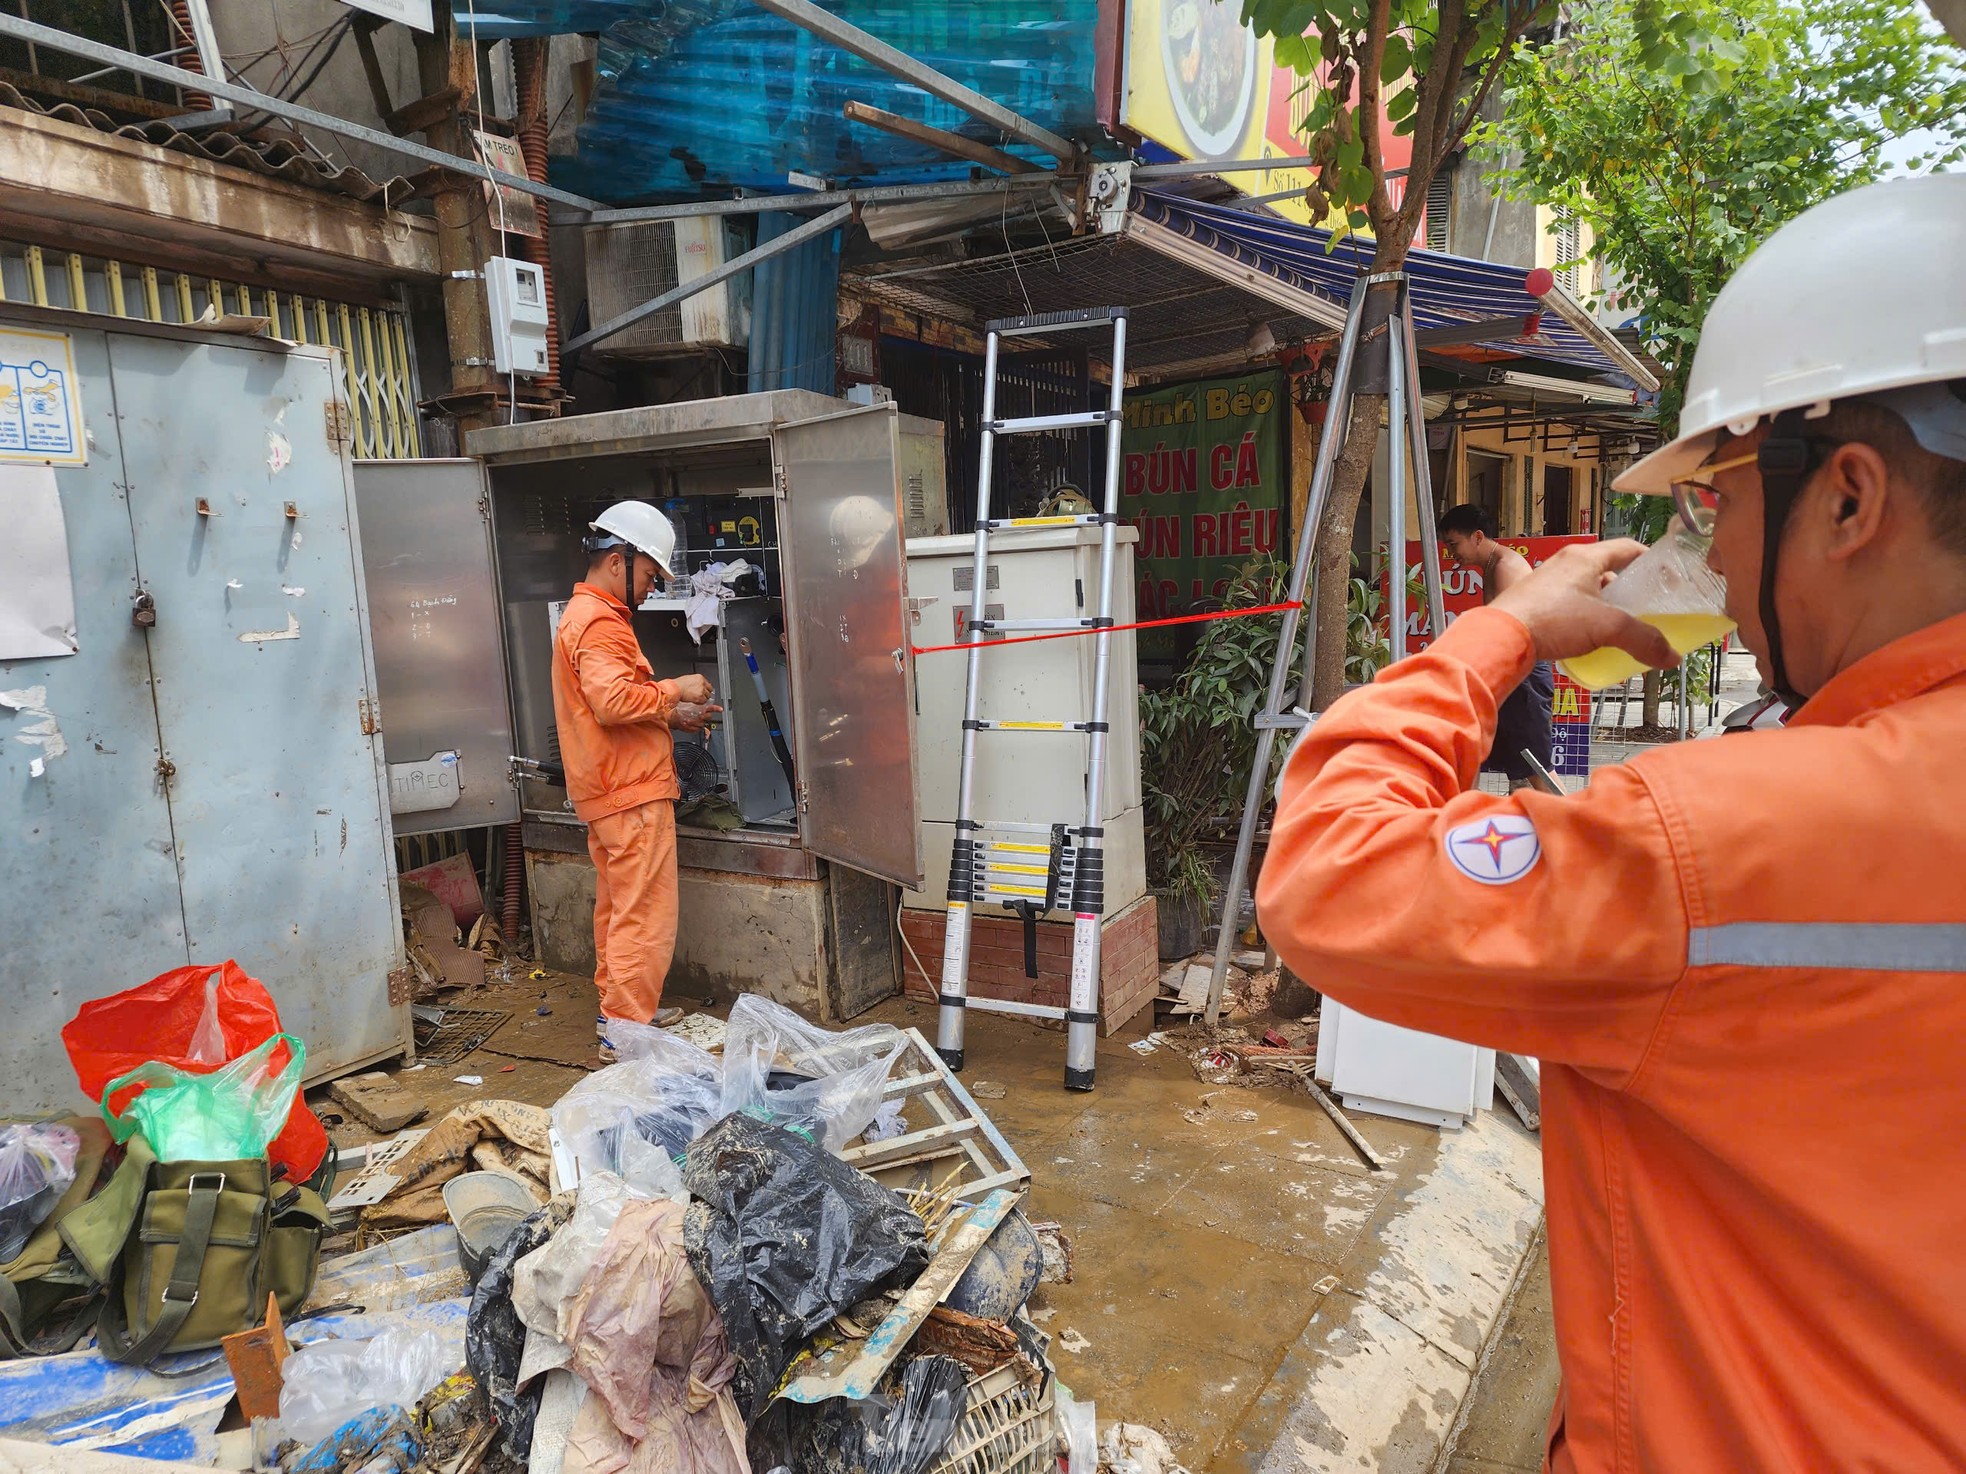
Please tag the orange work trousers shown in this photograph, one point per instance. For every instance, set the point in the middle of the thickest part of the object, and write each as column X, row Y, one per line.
column 634, row 855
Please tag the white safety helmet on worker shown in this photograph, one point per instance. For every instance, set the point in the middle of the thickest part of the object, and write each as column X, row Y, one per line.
column 1863, row 296
column 639, row 526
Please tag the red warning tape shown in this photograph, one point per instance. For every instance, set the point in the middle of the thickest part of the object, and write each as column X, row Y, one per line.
column 1144, row 624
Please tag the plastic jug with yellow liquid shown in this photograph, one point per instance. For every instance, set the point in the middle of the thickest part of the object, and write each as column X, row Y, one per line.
column 1669, row 587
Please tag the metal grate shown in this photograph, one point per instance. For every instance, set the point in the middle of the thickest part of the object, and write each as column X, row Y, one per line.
column 378, row 367
column 445, row 1035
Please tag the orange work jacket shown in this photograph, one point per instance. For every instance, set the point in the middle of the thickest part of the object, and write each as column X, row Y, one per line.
column 613, row 714
column 1742, row 962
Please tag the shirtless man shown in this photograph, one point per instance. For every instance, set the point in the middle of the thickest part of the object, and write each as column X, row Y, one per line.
column 1467, row 535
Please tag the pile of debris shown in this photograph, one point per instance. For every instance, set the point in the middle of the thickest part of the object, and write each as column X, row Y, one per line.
column 802, row 1251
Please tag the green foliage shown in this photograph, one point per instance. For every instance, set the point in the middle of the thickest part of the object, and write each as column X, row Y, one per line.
column 1422, row 66
column 1368, row 650
column 1684, row 138
column 1198, row 735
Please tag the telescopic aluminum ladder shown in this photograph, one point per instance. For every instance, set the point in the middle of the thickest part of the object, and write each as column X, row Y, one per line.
column 1036, row 868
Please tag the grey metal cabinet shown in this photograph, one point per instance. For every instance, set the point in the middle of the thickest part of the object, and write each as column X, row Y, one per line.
column 221, row 793
column 433, row 611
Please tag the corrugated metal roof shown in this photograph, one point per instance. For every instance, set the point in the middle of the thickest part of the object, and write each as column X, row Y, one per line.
column 275, row 159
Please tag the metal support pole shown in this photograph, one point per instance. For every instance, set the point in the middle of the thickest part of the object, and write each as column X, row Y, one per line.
column 813, row 199
column 1337, row 414
column 778, row 245
column 1399, row 446
column 871, row 48
column 1423, row 477
column 217, row 87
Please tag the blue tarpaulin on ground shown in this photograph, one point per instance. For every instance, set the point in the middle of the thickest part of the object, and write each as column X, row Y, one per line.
column 1447, row 290
column 701, row 96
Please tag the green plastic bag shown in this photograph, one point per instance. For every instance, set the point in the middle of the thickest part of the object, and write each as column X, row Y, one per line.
column 228, row 1115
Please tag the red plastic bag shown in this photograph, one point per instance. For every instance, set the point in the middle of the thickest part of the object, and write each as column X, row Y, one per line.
column 178, row 1018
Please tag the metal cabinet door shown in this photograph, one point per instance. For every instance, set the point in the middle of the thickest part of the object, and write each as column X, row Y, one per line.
column 88, row 869
column 439, row 661
column 854, row 722
column 264, row 684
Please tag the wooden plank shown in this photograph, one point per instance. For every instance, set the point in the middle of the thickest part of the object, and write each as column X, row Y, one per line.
column 1519, row 1089
column 55, row 173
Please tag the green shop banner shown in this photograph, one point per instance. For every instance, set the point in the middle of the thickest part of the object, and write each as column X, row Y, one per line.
column 1204, row 479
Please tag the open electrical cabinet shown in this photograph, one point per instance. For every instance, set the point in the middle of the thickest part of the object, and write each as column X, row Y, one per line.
column 817, row 498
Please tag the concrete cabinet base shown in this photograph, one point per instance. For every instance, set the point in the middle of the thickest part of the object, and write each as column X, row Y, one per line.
column 822, row 945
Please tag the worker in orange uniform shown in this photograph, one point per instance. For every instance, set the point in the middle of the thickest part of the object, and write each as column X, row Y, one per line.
column 615, row 718
column 1742, row 961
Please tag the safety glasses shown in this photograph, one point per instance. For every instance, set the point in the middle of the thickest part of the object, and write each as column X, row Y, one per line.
column 1696, row 500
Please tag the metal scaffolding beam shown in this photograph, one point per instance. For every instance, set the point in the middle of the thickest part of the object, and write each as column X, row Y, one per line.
column 873, row 194
column 217, row 87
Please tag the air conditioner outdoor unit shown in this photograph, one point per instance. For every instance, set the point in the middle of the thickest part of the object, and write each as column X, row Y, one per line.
column 629, row 264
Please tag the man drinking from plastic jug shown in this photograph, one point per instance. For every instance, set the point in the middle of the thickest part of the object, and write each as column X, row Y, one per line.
column 1741, row 961
column 615, row 718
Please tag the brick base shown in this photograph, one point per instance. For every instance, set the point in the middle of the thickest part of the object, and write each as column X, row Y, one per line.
column 1129, row 960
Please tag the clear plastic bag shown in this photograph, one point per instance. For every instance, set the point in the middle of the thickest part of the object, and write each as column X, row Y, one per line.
column 330, row 1382
column 1078, row 1426
column 37, row 1164
column 822, row 1085
column 228, row 1115
column 635, row 1119
column 934, row 1392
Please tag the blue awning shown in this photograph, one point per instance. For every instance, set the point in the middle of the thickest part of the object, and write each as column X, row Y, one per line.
column 1447, row 290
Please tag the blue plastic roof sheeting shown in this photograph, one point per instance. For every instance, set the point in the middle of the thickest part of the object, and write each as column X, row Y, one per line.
column 1447, row 290
column 793, row 316
column 700, row 96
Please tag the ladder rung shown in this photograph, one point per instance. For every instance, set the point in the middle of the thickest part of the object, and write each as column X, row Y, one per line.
column 1010, row 1005
column 988, row 726
column 1008, row 892
column 1079, row 317
column 1078, row 519
column 1050, row 625
column 1005, row 867
column 1022, row 849
column 1010, row 826
column 1030, row 424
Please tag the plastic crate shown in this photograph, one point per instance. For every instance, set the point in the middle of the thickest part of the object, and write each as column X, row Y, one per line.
column 1007, row 1427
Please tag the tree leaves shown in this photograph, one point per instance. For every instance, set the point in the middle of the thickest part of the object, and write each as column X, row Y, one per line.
column 1684, row 139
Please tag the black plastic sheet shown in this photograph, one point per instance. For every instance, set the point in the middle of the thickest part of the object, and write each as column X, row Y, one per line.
column 495, row 1338
column 784, row 1237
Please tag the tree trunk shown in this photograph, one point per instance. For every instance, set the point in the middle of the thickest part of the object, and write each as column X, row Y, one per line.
column 1649, row 716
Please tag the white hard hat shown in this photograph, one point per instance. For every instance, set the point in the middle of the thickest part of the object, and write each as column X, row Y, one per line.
column 641, row 527
column 1864, row 294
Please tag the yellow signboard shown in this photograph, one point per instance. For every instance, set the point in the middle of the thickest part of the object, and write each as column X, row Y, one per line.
column 1197, row 80
column 1202, row 84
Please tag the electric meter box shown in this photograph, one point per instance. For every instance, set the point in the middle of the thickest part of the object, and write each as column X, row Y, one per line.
column 517, row 294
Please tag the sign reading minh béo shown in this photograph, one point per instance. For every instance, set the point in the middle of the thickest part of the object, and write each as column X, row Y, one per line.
column 1203, row 480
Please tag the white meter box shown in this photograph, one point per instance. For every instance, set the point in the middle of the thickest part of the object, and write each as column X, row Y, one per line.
column 516, row 291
